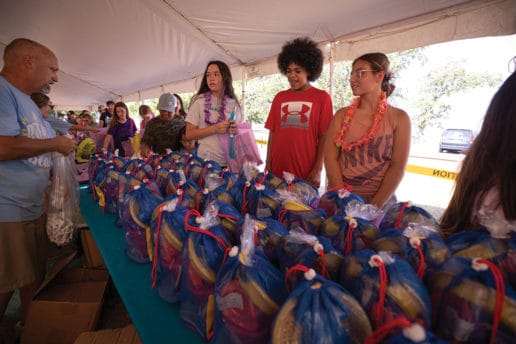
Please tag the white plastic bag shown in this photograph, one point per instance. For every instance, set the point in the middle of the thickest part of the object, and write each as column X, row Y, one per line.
column 63, row 200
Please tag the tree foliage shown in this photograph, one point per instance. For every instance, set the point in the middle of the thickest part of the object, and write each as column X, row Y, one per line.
column 438, row 85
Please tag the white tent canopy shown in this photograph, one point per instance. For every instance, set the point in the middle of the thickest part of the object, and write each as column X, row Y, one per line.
column 137, row 49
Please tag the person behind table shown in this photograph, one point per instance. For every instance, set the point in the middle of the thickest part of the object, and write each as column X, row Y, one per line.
column 61, row 127
column 121, row 129
column 180, row 110
column 485, row 188
column 146, row 114
column 86, row 120
column 26, row 141
column 209, row 112
column 299, row 117
column 107, row 115
column 164, row 131
column 72, row 117
column 369, row 141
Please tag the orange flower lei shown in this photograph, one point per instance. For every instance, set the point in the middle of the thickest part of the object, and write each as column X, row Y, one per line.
column 370, row 133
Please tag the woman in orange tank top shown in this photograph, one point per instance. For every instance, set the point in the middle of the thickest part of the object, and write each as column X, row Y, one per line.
column 369, row 141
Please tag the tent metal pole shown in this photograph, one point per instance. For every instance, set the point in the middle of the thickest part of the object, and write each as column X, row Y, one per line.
column 332, row 68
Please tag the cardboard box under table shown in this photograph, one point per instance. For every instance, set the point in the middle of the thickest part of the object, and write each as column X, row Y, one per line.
column 68, row 303
column 91, row 253
column 124, row 335
column 155, row 320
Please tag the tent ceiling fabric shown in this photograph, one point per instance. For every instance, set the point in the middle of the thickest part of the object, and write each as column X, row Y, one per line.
column 136, row 49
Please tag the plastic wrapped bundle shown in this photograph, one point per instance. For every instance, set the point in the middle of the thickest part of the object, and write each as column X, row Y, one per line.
column 217, row 186
column 269, row 179
column 96, row 164
column 139, row 204
column 314, row 252
column 334, row 202
column 386, row 287
column 154, row 160
column 132, row 166
column 254, row 198
column 352, row 232
column 401, row 331
column 295, row 214
column 304, row 191
column 268, row 236
column 193, row 168
column 144, row 171
column 63, row 200
column 98, row 180
column 472, row 303
column 420, row 245
column 176, row 180
column 161, row 178
column 183, row 199
column 248, row 294
column 118, row 161
column 204, row 252
column 169, row 161
column 126, row 183
column 229, row 217
column 402, row 213
column 168, row 234
column 320, row 311
column 208, row 167
column 110, row 188
column 480, row 243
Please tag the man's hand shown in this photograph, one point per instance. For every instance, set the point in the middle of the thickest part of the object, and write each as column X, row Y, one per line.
column 64, row 145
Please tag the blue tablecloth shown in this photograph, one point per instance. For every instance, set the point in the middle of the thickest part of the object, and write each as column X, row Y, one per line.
column 155, row 320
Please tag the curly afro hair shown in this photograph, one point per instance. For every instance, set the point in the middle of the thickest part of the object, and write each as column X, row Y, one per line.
column 304, row 52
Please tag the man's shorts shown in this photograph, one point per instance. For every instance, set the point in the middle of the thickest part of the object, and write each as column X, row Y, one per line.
column 24, row 251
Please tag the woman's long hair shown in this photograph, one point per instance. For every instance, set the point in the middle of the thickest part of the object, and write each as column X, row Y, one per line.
column 491, row 161
column 115, row 119
column 227, row 80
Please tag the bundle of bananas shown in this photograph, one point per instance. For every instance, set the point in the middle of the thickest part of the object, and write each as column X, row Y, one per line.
column 208, row 167
column 402, row 213
column 229, row 217
column 269, row 179
column 168, row 234
column 320, row 311
column 203, row 254
column 421, row 246
column 110, row 190
column 136, row 214
column 480, row 243
column 348, row 234
column 334, row 202
column 295, row 213
column 260, row 288
column 268, row 235
column 176, row 180
column 303, row 190
column 144, row 171
column 386, row 286
column 254, row 198
column 311, row 251
column 472, row 303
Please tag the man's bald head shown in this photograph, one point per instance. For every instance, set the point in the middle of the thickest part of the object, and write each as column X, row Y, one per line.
column 23, row 46
column 29, row 65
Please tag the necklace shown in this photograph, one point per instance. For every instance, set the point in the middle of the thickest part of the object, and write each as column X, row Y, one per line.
column 370, row 133
column 221, row 116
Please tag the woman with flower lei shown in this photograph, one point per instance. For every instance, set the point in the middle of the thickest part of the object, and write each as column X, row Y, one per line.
column 210, row 110
column 369, row 141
